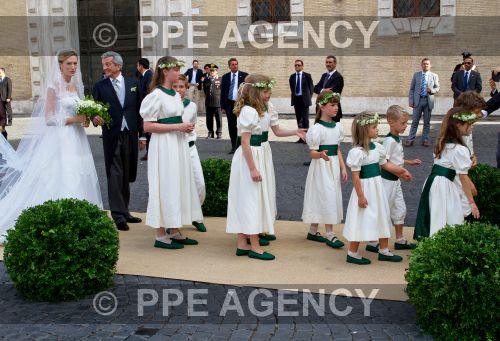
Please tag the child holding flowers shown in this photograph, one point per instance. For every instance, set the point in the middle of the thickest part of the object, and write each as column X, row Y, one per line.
column 173, row 200
column 323, row 193
column 368, row 215
column 447, row 198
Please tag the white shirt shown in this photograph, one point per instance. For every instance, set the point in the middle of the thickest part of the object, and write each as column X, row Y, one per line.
column 235, row 90
column 193, row 77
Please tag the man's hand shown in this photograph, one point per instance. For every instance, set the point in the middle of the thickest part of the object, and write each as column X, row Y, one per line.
column 493, row 85
column 98, row 121
column 142, row 144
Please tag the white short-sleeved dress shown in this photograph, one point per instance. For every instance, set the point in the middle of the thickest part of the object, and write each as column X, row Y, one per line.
column 248, row 207
column 447, row 201
column 190, row 115
column 269, row 120
column 374, row 221
column 323, row 192
column 173, row 199
column 392, row 184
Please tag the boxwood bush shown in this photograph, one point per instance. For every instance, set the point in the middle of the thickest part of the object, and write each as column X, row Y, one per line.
column 486, row 178
column 216, row 173
column 61, row 250
column 454, row 282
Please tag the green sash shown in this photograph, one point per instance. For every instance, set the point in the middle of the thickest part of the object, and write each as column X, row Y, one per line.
column 331, row 148
column 170, row 120
column 265, row 136
column 191, row 143
column 423, row 224
column 388, row 175
column 255, row 141
column 370, row 171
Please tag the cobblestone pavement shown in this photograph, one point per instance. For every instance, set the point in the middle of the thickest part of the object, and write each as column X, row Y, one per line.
column 388, row 320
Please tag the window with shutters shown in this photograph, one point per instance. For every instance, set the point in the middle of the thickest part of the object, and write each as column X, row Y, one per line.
column 271, row 11
column 416, row 8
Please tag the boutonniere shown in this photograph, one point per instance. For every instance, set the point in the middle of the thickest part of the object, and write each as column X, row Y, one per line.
column 133, row 89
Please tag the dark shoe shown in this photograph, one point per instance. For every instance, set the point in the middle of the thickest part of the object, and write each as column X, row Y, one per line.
column 393, row 258
column 231, row 152
column 361, row 261
column 335, row 243
column 269, row 237
column 408, row 143
column 184, row 241
column 405, row 246
column 316, row 237
column 199, row 226
column 263, row 256
column 262, row 242
column 210, row 135
column 122, row 226
column 299, row 141
column 134, row 220
column 241, row 252
column 371, row 248
column 163, row 245
column 426, row 143
column 308, row 163
column 219, row 136
column 145, row 157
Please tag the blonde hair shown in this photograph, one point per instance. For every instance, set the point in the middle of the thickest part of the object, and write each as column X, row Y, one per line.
column 360, row 132
column 449, row 131
column 158, row 76
column 333, row 99
column 65, row 54
column 395, row 112
column 184, row 79
column 251, row 95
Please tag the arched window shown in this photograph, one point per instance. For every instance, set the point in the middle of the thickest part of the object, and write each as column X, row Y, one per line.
column 416, row 8
column 271, row 11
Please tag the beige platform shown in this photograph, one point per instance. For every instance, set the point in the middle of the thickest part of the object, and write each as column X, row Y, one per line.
column 299, row 264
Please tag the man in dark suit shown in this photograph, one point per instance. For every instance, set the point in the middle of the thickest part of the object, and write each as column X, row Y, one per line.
column 331, row 80
column 229, row 91
column 301, row 88
column 466, row 79
column 5, row 102
column 212, row 88
column 492, row 105
column 194, row 76
column 120, row 140
column 145, row 77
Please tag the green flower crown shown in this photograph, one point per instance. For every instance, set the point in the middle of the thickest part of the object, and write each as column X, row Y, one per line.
column 465, row 116
column 264, row 85
column 375, row 119
column 178, row 63
column 328, row 96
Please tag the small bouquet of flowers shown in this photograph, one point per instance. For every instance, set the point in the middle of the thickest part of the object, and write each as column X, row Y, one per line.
column 91, row 108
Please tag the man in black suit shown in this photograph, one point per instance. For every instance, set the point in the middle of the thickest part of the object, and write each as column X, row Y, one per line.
column 229, row 91
column 145, row 77
column 120, row 140
column 194, row 76
column 301, row 88
column 5, row 100
column 331, row 80
column 466, row 79
column 492, row 105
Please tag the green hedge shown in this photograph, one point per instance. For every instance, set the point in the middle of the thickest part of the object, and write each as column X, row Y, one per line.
column 454, row 282
column 486, row 178
column 61, row 250
column 216, row 173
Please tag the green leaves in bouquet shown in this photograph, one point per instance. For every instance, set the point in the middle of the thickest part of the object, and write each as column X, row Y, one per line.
column 97, row 109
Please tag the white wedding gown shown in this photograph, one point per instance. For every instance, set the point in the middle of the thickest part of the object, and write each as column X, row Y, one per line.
column 59, row 165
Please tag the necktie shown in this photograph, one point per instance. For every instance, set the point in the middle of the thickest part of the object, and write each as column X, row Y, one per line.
column 327, row 78
column 423, row 85
column 231, row 87
column 297, row 85
column 466, row 80
column 118, row 91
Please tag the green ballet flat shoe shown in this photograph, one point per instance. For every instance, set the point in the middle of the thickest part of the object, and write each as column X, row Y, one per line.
column 360, row 261
column 262, row 242
column 171, row 246
column 371, row 248
column 393, row 258
column 269, row 237
column 264, row 256
column 200, row 226
column 335, row 243
column 316, row 237
column 241, row 252
column 185, row 241
column 405, row 246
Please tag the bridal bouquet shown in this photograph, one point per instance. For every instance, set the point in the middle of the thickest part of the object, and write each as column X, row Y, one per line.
column 91, row 108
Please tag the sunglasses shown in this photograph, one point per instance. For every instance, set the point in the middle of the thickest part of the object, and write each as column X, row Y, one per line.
column 298, row 65
column 468, row 63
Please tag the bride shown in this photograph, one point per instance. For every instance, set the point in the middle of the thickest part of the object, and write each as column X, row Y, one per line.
column 53, row 159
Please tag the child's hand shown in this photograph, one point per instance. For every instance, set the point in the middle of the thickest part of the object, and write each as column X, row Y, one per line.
column 473, row 189
column 324, row 155
column 406, row 176
column 474, row 160
column 362, row 202
column 301, row 133
column 475, row 210
column 416, row 162
column 256, row 175
column 186, row 127
column 344, row 175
